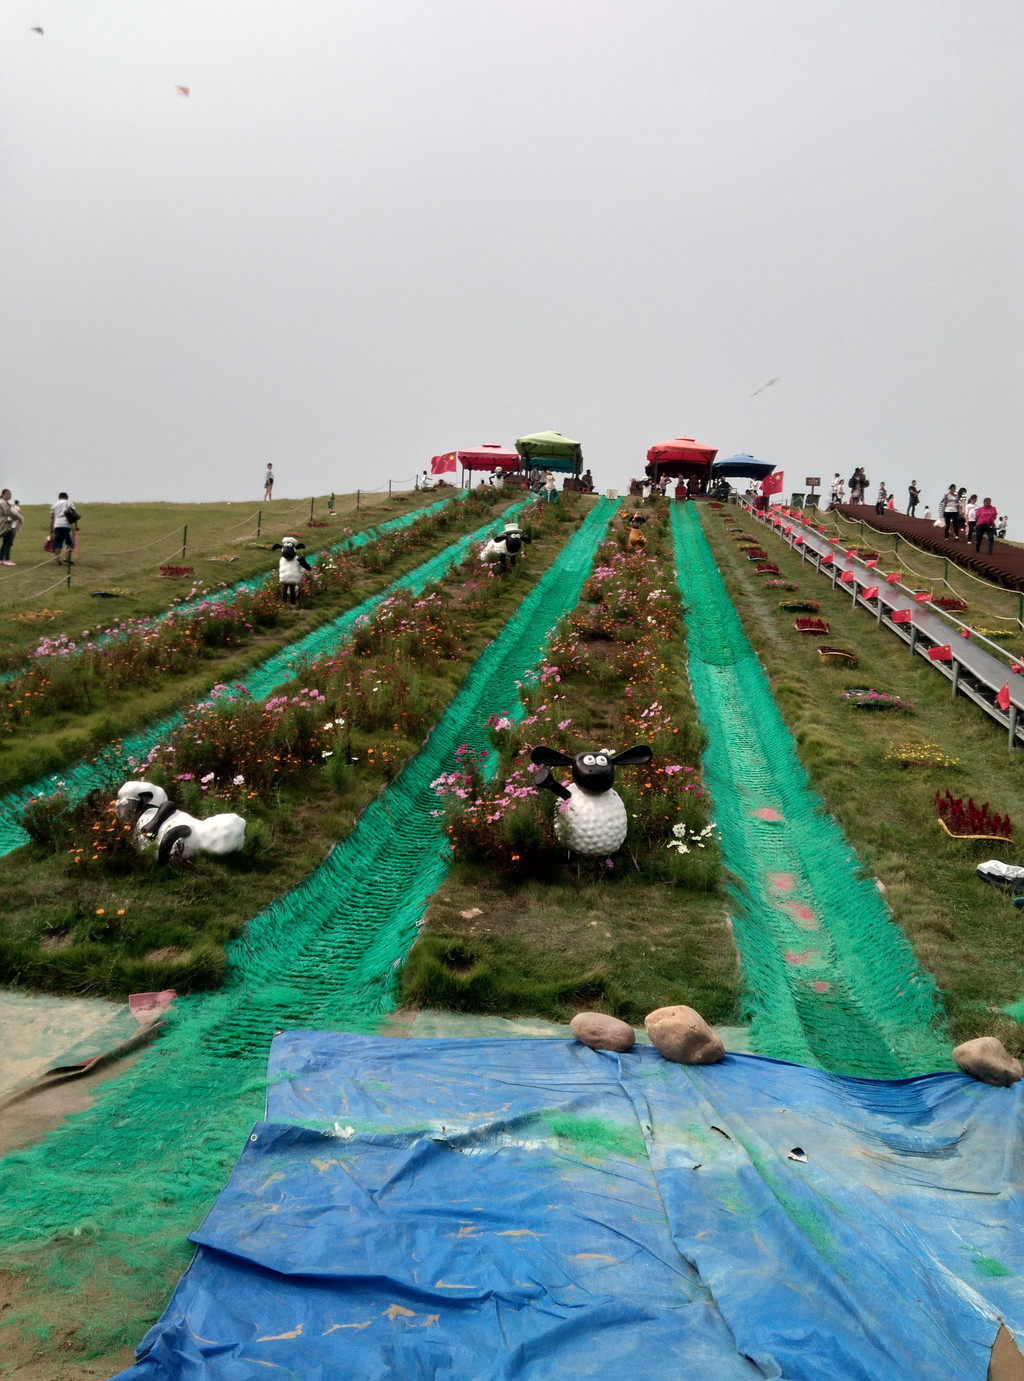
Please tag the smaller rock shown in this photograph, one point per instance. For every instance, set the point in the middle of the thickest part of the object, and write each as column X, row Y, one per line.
column 682, row 1035
column 987, row 1059
column 602, row 1032
column 471, row 914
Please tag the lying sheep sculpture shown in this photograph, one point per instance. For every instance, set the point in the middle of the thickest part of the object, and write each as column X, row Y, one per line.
column 592, row 818
column 176, row 833
column 504, row 549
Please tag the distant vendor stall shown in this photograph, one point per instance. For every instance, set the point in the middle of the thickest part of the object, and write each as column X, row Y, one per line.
column 550, row 451
column 742, row 466
column 684, row 459
column 489, row 456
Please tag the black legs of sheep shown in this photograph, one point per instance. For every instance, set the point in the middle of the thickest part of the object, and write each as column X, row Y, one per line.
column 290, row 594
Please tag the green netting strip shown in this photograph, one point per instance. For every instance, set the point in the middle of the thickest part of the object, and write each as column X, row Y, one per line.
column 829, row 978
column 146, row 1160
column 117, row 762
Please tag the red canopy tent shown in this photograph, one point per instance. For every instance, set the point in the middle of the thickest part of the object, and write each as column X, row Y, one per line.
column 489, row 456
column 681, row 457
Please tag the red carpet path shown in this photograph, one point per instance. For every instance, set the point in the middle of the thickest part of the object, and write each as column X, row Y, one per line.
column 1005, row 566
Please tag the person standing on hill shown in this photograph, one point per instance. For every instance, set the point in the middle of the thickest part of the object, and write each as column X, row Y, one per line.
column 837, row 488
column 881, row 498
column 948, row 509
column 63, row 523
column 972, row 517
column 10, row 521
column 268, row 482
column 913, row 494
column 985, row 525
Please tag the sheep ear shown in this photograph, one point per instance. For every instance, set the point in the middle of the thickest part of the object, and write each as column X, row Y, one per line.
column 550, row 757
column 278, row 546
column 144, row 797
column 633, row 757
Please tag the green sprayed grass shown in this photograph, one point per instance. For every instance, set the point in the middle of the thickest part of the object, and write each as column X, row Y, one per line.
column 963, row 931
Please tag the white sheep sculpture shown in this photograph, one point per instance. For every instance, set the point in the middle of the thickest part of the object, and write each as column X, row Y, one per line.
column 156, row 819
column 503, row 550
column 592, row 819
column 290, row 567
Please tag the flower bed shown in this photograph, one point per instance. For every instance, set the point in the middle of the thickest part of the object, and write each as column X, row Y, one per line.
column 811, row 625
column 969, row 821
column 602, row 684
column 870, row 699
column 798, row 606
column 176, row 572
column 757, row 554
column 782, row 584
column 950, row 603
column 920, row 755
column 766, row 568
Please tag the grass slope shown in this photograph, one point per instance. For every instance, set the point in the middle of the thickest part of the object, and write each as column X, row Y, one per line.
column 963, row 932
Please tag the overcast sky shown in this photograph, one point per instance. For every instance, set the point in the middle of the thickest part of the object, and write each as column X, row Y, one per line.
column 379, row 230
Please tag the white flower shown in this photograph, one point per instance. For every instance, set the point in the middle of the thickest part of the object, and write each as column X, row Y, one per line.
column 327, row 753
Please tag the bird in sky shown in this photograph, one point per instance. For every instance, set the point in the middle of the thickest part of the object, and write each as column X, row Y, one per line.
column 767, row 385
column 182, row 90
column 35, row 29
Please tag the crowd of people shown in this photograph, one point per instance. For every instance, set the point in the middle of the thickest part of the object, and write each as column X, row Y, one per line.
column 960, row 515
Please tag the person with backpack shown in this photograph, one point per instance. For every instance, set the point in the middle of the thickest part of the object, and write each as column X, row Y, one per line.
column 63, row 524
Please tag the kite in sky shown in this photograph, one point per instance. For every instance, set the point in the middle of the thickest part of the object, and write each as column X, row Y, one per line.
column 767, row 385
column 35, row 29
column 182, row 90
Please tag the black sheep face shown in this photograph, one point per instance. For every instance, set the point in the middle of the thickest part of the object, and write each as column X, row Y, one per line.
column 592, row 770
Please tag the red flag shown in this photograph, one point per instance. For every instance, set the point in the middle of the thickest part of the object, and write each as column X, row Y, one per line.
column 1016, row 667
column 923, row 597
column 893, row 578
column 827, row 559
column 851, row 553
column 441, row 465
column 1003, row 698
column 798, row 541
column 965, row 632
column 785, row 512
column 846, row 577
column 940, row 654
column 772, row 484
column 871, row 592
column 786, row 530
column 901, row 616
column 834, row 541
column 871, row 564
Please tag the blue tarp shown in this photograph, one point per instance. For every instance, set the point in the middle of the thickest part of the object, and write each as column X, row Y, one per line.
column 532, row 1208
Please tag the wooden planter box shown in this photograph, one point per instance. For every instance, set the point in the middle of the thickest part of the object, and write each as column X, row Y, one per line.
column 839, row 656
column 811, row 626
column 999, row 838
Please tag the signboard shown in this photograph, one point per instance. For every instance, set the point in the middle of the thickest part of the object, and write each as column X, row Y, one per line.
column 812, row 481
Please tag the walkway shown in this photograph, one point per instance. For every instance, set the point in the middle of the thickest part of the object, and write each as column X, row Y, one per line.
column 829, row 979
column 1005, row 566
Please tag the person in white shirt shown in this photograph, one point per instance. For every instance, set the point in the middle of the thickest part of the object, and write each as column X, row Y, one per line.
column 971, row 514
column 838, row 488
column 63, row 522
column 268, row 482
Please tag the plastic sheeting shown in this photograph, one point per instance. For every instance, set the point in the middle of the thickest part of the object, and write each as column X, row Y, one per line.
column 519, row 1208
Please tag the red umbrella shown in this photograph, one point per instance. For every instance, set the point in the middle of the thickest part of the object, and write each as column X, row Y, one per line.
column 680, row 456
column 489, row 456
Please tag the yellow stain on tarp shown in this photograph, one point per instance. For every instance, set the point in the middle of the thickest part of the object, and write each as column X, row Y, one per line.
column 335, row 1326
column 592, row 1256
column 443, row 1285
column 280, row 1337
column 468, row 1231
column 323, row 1165
column 270, row 1180
column 396, row 1311
column 516, row 1232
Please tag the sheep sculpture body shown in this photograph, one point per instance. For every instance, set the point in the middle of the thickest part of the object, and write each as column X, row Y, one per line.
column 176, row 834
column 591, row 819
column 503, row 550
column 290, row 567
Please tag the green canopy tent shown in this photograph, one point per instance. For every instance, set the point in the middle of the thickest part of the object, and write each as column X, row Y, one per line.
column 550, row 451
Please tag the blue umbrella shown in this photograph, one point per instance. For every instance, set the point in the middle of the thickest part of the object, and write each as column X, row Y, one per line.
column 742, row 465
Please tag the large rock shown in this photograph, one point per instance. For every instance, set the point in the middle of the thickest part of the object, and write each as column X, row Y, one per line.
column 682, row 1035
column 602, row 1032
column 987, row 1059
